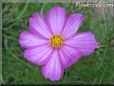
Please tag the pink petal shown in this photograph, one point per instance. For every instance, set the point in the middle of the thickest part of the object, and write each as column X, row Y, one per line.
column 28, row 40
column 53, row 70
column 38, row 26
column 56, row 18
column 69, row 55
column 73, row 23
column 39, row 55
column 84, row 41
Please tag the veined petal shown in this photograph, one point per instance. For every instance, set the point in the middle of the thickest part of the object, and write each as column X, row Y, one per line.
column 28, row 40
column 69, row 55
column 39, row 55
column 84, row 41
column 56, row 18
column 53, row 70
column 38, row 26
column 73, row 23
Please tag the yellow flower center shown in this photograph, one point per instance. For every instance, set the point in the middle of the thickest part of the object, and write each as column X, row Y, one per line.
column 56, row 41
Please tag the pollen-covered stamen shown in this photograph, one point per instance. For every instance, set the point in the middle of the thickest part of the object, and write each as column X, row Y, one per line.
column 56, row 41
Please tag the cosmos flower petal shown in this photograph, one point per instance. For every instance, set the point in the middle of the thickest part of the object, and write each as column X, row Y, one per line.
column 84, row 41
column 38, row 26
column 53, row 70
column 69, row 55
column 53, row 41
column 28, row 40
column 73, row 23
column 56, row 18
column 39, row 55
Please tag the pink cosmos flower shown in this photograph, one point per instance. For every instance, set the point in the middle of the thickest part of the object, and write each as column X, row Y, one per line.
column 53, row 41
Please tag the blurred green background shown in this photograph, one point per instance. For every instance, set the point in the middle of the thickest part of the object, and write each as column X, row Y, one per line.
column 97, row 68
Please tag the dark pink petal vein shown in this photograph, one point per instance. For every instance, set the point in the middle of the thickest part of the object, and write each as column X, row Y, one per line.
column 54, row 43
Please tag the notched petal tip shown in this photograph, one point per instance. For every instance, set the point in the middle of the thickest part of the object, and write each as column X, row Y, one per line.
column 73, row 23
column 22, row 35
column 51, row 78
column 58, row 7
column 79, row 16
column 94, row 38
column 33, row 16
column 55, row 19
column 38, row 26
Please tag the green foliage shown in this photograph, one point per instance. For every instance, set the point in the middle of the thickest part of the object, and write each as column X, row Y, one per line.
column 97, row 68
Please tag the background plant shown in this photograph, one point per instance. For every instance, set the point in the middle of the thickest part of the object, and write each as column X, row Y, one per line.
column 97, row 68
